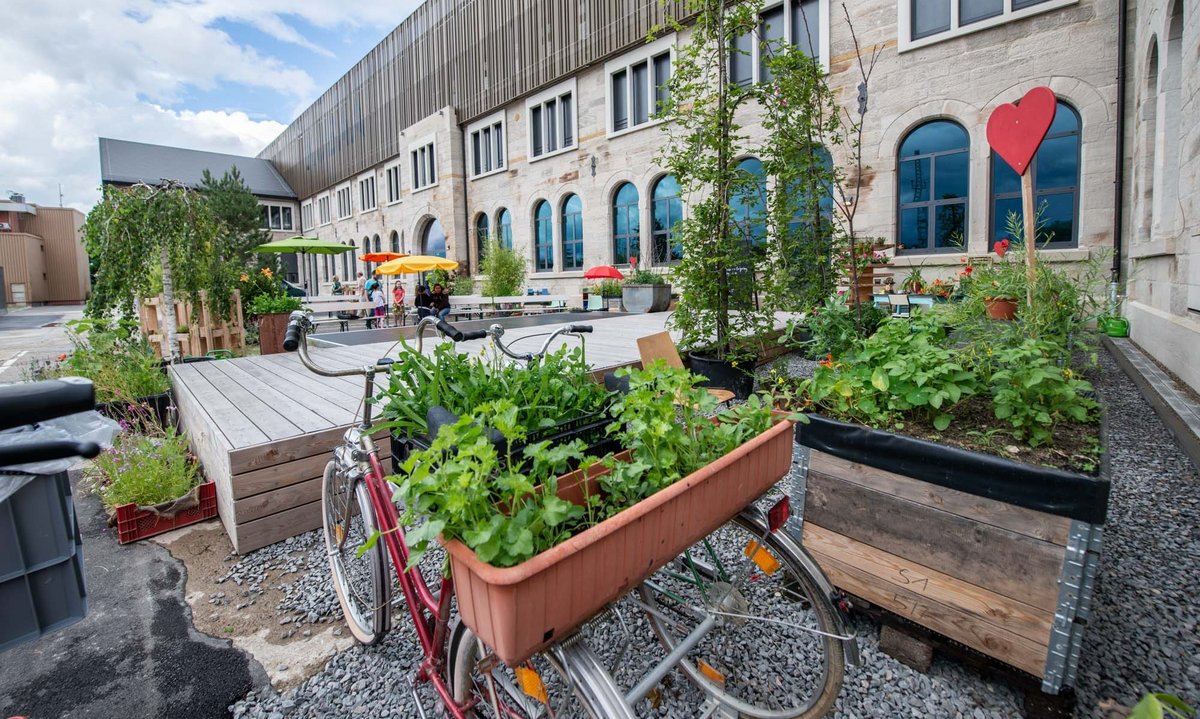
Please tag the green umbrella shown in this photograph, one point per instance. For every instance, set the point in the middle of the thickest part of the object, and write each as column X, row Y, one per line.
column 305, row 245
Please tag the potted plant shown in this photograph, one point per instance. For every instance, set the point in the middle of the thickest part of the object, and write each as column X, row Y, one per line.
column 512, row 531
column 150, row 483
column 610, row 290
column 272, row 308
column 644, row 291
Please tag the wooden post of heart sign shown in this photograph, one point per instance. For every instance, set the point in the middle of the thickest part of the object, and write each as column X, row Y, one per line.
column 1015, row 132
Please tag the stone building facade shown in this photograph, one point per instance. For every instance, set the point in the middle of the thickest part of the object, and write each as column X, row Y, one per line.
column 1162, row 217
column 956, row 71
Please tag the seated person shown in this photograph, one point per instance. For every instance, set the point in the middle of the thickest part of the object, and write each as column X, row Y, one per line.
column 439, row 301
column 422, row 302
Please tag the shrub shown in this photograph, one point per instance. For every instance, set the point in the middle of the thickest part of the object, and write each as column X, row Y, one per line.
column 503, row 270
column 144, row 470
column 609, row 288
column 115, row 357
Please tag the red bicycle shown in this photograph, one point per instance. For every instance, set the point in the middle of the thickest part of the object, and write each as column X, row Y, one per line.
column 707, row 608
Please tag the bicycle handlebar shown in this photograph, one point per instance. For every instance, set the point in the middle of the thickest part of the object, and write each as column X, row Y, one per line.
column 577, row 329
column 31, row 402
column 458, row 335
column 45, row 451
column 291, row 336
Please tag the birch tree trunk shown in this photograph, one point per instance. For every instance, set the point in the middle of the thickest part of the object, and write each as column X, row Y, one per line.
column 171, row 346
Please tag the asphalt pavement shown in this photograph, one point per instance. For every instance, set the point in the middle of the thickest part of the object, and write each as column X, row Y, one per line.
column 35, row 333
column 136, row 654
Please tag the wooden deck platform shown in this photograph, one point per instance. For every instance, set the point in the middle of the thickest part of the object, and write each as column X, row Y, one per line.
column 263, row 427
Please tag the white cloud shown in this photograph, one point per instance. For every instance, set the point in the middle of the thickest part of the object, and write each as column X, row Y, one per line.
column 76, row 70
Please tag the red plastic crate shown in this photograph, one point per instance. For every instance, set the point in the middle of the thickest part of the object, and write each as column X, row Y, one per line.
column 134, row 524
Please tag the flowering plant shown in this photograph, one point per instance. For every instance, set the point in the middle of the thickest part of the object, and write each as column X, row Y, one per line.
column 268, row 294
column 144, row 469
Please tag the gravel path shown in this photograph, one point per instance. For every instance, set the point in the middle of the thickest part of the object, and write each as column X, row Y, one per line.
column 1144, row 635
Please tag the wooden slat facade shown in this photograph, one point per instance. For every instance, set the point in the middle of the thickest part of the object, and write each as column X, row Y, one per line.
column 473, row 55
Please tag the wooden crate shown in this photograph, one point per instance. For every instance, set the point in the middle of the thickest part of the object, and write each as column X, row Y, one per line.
column 206, row 332
column 982, row 572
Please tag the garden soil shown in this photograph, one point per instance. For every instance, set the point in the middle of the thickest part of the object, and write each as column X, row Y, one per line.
column 249, row 618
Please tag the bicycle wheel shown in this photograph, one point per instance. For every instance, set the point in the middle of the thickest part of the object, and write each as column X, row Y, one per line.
column 362, row 580
column 565, row 682
column 771, row 653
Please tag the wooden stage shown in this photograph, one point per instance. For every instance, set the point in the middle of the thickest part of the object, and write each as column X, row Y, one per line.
column 263, row 427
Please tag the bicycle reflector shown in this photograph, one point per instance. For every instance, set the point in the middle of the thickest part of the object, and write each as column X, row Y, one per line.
column 531, row 684
column 778, row 515
column 760, row 556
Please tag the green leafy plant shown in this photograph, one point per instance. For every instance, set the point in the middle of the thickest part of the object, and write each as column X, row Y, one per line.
column 644, row 277
column 836, row 327
column 503, row 270
column 144, row 469
column 914, row 283
column 462, row 285
column 273, row 298
column 113, row 354
column 1033, row 394
column 906, row 369
column 551, row 389
column 608, row 289
column 1162, row 706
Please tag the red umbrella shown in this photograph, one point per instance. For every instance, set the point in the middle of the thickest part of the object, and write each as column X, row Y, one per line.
column 381, row 256
column 603, row 272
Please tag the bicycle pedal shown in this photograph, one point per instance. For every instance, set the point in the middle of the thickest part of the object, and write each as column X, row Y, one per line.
column 412, row 689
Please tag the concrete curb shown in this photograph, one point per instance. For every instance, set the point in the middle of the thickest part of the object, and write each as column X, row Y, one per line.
column 1178, row 411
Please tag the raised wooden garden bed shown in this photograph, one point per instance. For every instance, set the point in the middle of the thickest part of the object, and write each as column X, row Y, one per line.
column 519, row 610
column 994, row 554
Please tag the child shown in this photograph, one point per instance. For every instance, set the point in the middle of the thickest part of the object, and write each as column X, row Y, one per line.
column 380, row 305
column 397, row 303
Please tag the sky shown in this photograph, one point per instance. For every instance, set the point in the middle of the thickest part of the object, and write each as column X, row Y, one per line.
column 217, row 75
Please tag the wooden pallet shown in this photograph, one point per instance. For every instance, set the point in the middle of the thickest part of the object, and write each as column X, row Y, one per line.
column 205, row 331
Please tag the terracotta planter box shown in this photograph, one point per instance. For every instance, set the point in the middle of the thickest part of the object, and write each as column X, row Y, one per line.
column 270, row 332
column 520, row 610
column 994, row 554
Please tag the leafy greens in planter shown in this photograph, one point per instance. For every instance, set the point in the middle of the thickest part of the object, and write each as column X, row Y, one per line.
column 549, row 390
column 467, row 488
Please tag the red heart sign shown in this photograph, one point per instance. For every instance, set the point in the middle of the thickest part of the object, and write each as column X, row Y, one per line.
column 1016, row 131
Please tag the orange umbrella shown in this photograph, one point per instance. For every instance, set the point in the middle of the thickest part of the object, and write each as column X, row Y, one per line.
column 382, row 256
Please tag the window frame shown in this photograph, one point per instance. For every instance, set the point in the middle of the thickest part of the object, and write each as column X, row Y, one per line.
column 323, row 201
column 483, row 235
column 306, row 216
column 993, row 196
column 931, row 205
column 904, row 25
column 269, row 207
column 502, row 226
column 563, row 237
column 668, row 235
column 537, row 236
column 646, row 54
column 429, row 146
column 554, row 94
column 387, row 180
column 359, row 182
column 490, row 123
column 337, row 205
column 635, row 215
column 755, row 57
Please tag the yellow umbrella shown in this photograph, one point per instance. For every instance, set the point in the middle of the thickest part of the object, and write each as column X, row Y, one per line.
column 415, row 263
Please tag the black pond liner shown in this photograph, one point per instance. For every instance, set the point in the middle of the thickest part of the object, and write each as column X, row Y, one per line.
column 1043, row 489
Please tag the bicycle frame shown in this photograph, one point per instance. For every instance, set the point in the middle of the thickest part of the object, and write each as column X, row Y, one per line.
column 430, row 612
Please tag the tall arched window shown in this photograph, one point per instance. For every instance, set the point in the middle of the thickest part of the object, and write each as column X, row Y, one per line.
column 504, row 224
column 1171, row 130
column 667, row 209
column 543, row 233
column 1149, row 145
column 346, row 256
column 433, row 242
column 935, row 169
column 366, row 245
column 481, row 235
column 378, row 247
column 1055, row 171
column 572, row 234
column 806, row 212
column 395, row 242
column 627, row 226
column 748, row 205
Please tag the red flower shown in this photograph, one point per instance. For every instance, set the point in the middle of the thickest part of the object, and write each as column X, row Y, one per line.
column 62, row 357
column 828, row 362
column 1001, row 248
column 968, row 270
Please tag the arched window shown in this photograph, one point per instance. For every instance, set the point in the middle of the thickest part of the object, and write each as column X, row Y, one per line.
column 395, row 242
column 1171, row 128
column 572, row 234
column 627, row 224
column 804, row 212
column 433, row 242
column 1055, row 171
column 748, row 205
column 667, row 210
column 346, row 257
column 504, row 224
column 366, row 244
column 543, row 233
column 935, row 169
column 375, row 241
column 1149, row 145
column 481, row 235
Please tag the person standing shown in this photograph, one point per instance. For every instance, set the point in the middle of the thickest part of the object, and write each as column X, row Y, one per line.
column 380, row 303
column 397, row 303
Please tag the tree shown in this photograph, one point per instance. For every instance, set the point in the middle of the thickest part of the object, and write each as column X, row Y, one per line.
column 239, row 217
column 502, row 268
column 136, row 233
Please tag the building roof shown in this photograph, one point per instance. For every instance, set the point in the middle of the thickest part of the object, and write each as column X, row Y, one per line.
column 124, row 163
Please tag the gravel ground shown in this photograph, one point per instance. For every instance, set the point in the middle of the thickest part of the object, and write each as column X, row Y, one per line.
column 1143, row 636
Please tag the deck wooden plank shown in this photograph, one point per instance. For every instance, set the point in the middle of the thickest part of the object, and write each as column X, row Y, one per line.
column 276, row 527
column 266, row 418
column 277, row 500
column 305, row 384
column 330, row 412
column 235, row 426
column 351, row 385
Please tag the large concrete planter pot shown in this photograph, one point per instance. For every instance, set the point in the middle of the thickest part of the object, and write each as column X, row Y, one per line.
column 995, row 554
column 270, row 332
column 640, row 299
column 519, row 610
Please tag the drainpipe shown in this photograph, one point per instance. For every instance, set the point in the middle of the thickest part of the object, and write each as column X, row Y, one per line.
column 1119, row 180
